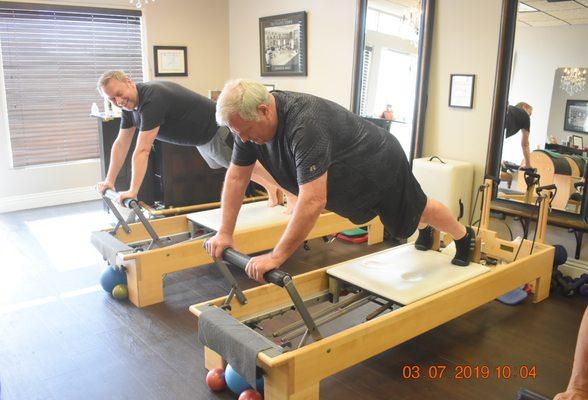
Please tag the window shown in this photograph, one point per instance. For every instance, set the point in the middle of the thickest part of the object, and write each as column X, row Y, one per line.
column 396, row 83
column 52, row 57
column 391, row 24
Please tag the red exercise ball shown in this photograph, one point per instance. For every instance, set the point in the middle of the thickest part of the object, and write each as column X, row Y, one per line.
column 250, row 394
column 215, row 379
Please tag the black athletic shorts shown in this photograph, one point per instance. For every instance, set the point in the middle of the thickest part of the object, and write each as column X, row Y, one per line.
column 402, row 204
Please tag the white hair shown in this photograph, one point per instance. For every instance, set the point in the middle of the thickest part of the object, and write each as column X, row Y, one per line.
column 241, row 96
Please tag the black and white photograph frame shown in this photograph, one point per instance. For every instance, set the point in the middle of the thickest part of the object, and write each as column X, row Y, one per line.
column 171, row 60
column 461, row 90
column 282, row 40
column 576, row 117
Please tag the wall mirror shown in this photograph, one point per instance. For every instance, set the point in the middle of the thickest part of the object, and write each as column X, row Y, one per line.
column 542, row 64
column 391, row 70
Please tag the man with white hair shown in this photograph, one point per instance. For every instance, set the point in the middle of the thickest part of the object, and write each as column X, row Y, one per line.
column 171, row 113
column 328, row 157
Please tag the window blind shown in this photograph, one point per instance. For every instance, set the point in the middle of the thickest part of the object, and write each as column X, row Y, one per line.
column 52, row 57
column 365, row 73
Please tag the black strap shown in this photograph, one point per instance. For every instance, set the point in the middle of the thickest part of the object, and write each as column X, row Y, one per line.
column 432, row 158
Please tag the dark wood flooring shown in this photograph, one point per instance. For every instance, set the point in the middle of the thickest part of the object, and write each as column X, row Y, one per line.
column 62, row 337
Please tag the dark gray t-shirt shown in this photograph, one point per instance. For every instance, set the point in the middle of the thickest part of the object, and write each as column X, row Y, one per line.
column 183, row 116
column 516, row 119
column 314, row 136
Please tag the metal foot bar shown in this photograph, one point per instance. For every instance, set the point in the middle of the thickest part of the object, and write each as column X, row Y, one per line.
column 282, row 279
column 235, row 289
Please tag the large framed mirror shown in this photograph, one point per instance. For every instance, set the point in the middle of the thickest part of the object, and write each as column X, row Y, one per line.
column 539, row 130
column 392, row 57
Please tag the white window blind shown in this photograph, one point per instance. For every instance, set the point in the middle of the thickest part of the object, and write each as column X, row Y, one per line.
column 52, row 57
column 365, row 73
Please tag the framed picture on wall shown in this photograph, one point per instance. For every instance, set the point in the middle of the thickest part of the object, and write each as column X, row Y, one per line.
column 461, row 90
column 576, row 142
column 171, row 60
column 282, row 40
column 576, row 118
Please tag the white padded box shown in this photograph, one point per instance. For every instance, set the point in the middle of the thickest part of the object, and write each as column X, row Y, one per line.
column 449, row 182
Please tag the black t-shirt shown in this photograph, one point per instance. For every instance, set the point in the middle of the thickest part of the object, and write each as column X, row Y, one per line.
column 183, row 116
column 314, row 136
column 516, row 119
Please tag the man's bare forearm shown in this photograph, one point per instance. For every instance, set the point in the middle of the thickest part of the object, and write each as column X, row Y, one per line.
column 118, row 154
column 526, row 148
column 139, row 161
column 236, row 181
column 304, row 217
column 527, row 154
column 262, row 177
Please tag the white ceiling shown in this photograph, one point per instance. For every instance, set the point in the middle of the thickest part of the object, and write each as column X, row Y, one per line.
column 570, row 12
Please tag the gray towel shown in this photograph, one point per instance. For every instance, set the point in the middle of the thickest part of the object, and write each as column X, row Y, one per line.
column 237, row 343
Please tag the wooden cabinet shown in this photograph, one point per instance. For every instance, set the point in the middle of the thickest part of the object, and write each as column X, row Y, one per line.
column 176, row 175
column 182, row 177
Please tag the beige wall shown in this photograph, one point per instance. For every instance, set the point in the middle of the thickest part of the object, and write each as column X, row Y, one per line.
column 331, row 31
column 199, row 24
column 202, row 25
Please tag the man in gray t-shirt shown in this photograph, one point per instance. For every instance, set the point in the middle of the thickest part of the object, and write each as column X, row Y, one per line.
column 328, row 157
column 171, row 113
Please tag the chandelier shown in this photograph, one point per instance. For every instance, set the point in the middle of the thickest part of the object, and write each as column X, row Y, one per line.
column 573, row 80
column 412, row 17
column 140, row 3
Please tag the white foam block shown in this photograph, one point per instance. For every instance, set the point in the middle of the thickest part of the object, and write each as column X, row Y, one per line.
column 404, row 274
column 252, row 216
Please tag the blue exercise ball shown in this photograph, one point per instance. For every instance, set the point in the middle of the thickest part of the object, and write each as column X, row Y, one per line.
column 560, row 255
column 237, row 383
column 111, row 277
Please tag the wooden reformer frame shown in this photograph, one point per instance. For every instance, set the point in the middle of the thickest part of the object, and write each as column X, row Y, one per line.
column 146, row 269
column 296, row 375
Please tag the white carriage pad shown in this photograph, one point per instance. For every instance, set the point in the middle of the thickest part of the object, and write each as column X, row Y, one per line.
column 404, row 274
column 252, row 216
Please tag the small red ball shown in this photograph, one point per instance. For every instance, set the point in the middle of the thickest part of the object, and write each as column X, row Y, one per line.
column 250, row 394
column 215, row 379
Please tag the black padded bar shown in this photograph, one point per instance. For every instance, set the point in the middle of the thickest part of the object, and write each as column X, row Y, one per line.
column 113, row 196
column 241, row 260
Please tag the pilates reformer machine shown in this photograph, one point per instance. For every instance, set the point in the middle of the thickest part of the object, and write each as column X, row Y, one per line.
column 149, row 249
column 284, row 330
column 530, row 180
column 564, row 171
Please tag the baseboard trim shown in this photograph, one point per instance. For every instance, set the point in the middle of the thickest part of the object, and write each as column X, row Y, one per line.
column 46, row 199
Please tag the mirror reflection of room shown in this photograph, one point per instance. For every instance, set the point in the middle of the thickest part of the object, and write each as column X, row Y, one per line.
column 546, row 127
column 388, row 81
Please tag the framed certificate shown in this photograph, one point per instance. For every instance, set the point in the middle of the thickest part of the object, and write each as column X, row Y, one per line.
column 170, row 60
column 461, row 90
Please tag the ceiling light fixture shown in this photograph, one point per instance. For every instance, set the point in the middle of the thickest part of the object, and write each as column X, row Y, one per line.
column 573, row 80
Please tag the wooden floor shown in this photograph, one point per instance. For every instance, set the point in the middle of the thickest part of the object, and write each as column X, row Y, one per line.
column 62, row 337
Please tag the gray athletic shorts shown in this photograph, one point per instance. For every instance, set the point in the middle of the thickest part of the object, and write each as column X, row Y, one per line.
column 217, row 153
